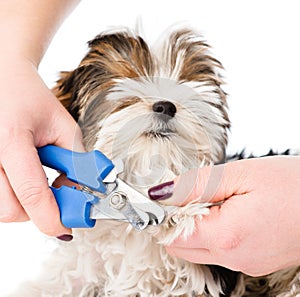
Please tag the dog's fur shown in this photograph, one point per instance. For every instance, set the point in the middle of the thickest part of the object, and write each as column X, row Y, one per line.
column 111, row 94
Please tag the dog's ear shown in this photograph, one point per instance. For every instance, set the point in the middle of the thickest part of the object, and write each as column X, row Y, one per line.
column 66, row 90
column 187, row 55
column 63, row 88
column 122, row 55
column 110, row 57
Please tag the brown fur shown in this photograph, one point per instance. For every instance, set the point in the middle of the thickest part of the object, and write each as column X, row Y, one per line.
column 110, row 57
column 122, row 55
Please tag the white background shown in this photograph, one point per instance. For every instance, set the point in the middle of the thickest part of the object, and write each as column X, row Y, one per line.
column 256, row 41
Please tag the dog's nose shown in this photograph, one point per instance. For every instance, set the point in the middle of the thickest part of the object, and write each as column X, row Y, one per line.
column 165, row 107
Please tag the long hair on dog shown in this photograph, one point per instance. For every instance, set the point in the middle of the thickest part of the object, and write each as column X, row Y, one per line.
column 162, row 111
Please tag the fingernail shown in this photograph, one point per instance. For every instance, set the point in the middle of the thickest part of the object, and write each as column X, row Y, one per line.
column 65, row 237
column 162, row 191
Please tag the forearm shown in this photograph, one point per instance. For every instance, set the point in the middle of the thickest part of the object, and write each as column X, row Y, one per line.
column 27, row 26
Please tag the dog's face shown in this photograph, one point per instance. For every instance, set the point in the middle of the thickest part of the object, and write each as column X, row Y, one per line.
column 161, row 110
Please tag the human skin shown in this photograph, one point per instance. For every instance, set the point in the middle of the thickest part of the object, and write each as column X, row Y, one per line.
column 256, row 229
column 30, row 115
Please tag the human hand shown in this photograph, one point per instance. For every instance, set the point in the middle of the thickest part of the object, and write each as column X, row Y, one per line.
column 30, row 117
column 256, row 230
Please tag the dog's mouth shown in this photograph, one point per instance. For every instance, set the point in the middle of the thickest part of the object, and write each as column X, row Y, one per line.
column 160, row 133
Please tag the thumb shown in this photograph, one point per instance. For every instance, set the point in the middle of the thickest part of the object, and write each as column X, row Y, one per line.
column 68, row 132
column 69, row 136
column 208, row 184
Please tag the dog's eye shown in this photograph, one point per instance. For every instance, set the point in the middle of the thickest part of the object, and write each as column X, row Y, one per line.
column 126, row 103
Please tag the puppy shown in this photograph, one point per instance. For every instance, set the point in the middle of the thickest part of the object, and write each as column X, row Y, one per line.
column 162, row 111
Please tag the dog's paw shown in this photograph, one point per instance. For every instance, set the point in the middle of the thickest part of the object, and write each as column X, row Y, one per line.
column 182, row 223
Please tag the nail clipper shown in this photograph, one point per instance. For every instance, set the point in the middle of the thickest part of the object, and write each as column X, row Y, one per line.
column 102, row 196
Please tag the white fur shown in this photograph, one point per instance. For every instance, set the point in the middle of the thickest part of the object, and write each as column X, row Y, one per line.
column 113, row 259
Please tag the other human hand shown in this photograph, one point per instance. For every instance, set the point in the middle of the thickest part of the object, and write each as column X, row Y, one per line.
column 30, row 117
column 256, row 229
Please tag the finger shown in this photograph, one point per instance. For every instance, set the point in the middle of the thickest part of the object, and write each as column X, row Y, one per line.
column 218, row 232
column 27, row 177
column 200, row 256
column 67, row 132
column 208, row 184
column 198, row 184
column 10, row 208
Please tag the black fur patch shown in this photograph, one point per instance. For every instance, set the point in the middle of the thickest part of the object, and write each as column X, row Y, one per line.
column 227, row 278
column 243, row 155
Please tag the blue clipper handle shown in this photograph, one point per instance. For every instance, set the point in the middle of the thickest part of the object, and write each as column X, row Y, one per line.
column 75, row 207
column 88, row 169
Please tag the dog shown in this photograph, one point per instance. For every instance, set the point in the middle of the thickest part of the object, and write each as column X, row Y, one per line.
column 162, row 111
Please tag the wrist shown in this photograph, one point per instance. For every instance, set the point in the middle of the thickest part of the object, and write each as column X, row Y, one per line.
column 17, row 57
column 15, row 67
column 27, row 27
column 19, row 47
